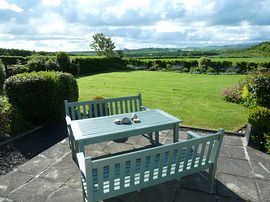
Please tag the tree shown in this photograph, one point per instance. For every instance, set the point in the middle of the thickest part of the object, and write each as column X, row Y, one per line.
column 102, row 45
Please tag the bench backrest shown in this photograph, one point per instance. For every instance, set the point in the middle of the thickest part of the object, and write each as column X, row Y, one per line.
column 103, row 107
column 112, row 176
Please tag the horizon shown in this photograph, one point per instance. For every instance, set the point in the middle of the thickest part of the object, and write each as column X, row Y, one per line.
column 57, row 25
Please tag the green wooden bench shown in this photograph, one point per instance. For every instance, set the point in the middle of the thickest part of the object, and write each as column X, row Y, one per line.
column 116, row 175
column 103, row 107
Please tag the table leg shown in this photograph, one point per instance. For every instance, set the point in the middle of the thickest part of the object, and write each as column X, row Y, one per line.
column 150, row 135
column 176, row 133
column 157, row 137
column 79, row 147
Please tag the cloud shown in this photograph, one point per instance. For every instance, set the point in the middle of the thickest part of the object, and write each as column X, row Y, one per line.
column 68, row 25
column 51, row 2
column 10, row 6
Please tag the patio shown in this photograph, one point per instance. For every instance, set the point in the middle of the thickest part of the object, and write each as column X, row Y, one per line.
column 243, row 174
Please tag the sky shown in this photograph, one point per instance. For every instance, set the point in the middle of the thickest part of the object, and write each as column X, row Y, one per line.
column 68, row 25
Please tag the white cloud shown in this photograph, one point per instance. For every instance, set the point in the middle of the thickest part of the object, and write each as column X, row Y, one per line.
column 69, row 25
column 10, row 6
column 51, row 2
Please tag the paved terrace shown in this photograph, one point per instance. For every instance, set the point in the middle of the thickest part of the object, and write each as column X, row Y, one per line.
column 242, row 175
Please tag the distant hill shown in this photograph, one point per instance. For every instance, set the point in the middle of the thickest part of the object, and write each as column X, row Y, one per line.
column 262, row 48
column 257, row 50
column 221, row 48
column 235, row 50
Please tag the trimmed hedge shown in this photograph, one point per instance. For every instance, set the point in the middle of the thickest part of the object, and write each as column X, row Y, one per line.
column 12, row 60
column 97, row 64
column 40, row 95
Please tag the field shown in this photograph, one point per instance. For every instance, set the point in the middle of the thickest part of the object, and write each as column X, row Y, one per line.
column 196, row 99
column 231, row 59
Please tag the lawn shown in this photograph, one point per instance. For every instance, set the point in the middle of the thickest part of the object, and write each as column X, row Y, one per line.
column 196, row 99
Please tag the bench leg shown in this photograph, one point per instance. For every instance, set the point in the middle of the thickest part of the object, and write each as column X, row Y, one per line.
column 212, row 180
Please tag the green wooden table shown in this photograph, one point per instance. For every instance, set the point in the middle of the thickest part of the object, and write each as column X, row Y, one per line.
column 96, row 130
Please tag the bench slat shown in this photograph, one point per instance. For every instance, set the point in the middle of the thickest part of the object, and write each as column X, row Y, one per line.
column 209, row 151
column 116, row 108
column 187, row 153
column 135, row 105
column 194, row 155
column 121, row 106
column 101, row 109
column 202, row 153
column 130, row 105
column 84, row 112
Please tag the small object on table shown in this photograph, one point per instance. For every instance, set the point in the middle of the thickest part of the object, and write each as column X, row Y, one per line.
column 117, row 121
column 136, row 120
column 134, row 116
column 126, row 120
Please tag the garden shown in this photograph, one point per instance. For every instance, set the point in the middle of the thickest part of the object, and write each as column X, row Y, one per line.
column 204, row 92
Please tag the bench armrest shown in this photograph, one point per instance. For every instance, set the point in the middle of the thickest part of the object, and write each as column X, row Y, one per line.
column 192, row 135
column 145, row 108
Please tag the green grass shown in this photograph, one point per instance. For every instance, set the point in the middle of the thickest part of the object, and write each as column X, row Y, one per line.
column 196, row 99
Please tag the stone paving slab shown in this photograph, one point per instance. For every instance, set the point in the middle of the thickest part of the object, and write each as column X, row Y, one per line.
column 260, row 164
column 242, row 175
column 234, row 152
column 13, row 181
column 36, row 190
column 234, row 167
column 39, row 163
column 237, row 187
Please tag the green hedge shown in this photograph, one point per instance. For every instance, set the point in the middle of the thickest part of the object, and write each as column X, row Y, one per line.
column 12, row 60
column 97, row 64
column 207, row 65
column 40, row 95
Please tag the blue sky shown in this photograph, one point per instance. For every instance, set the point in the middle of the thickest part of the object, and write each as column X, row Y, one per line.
column 58, row 25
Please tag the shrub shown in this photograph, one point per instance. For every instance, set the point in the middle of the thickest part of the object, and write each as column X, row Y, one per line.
column 259, row 86
column 63, row 61
column 211, row 70
column 233, row 93
column 247, row 97
column 5, row 116
column 41, row 63
column 204, row 63
column 196, row 70
column 259, row 118
column 2, row 75
column 17, row 69
column 267, row 142
column 11, row 121
column 241, row 66
column 40, row 95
